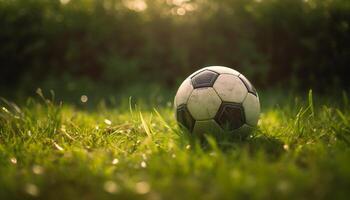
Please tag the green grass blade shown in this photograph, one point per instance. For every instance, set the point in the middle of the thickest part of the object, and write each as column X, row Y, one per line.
column 145, row 126
column 311, row 103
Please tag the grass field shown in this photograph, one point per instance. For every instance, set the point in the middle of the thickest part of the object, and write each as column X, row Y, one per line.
column 50, row 150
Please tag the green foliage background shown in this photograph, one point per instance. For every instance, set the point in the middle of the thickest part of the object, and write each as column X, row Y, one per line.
column 302, row 43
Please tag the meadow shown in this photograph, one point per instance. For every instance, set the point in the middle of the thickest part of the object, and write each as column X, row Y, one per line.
column 52, row 149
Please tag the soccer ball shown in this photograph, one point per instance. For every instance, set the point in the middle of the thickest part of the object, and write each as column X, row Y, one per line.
column 215, row 100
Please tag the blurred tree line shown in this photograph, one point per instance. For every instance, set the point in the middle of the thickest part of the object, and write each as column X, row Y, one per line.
column 299, row 43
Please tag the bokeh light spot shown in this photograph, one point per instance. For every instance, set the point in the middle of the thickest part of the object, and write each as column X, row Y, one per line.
column 181, row 11
column 115, row 161
column 108, row 122
column 136, row 5
column 111, row 187
column 142, row 187
column 143, row 164
column 37, row 169
column 13, row 160
column 32, row 189
column 84, row 98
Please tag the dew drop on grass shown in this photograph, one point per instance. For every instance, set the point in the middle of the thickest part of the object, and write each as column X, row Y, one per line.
column 286, row 147
column 31, row 189
column 142, row 187
column 115, row 161
column 143, row 164
column 188, row 146
column 107, row 121
column 111, row 187
column 173, row 155
column 13, row 160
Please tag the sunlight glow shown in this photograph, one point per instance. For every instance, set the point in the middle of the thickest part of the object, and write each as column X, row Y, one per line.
column 181, row 7
column 136, row 5
column 181, row 11
column 189, row 7
column 64, row 1
column 179, row 2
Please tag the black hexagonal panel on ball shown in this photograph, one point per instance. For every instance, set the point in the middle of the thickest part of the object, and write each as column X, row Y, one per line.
column 204, row 79
column 184, row 117
column 230, row 116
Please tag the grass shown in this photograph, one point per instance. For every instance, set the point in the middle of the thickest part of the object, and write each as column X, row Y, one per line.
column 50, row 150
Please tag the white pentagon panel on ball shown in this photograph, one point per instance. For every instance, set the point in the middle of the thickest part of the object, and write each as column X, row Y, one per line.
column 206, row 127
column 203, row 103
column 183, row 93
column 251, row 106
column 223, row 70
column 230, row 88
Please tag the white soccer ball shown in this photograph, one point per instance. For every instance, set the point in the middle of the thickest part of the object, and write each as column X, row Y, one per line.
column 217, row 99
